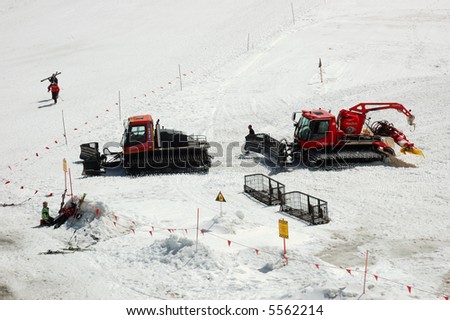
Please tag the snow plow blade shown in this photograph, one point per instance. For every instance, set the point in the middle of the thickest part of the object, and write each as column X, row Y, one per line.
column 412, row 150
column 272, row 149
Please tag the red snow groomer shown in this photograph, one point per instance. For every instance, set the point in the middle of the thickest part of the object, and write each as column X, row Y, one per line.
column 148, row 147
column 321, row 140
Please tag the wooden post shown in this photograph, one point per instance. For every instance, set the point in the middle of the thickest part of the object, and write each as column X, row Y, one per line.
column 65, row 173
column 293, row 15
column 248, row 42
column 365, row 271
column 64, row 126
column 196, row 239
column 120, row 109
column 321, row 73
column 181, row 82
column 71, row 189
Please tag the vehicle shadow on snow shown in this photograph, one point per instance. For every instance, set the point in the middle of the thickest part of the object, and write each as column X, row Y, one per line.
column 274, row 169
column 122, row 172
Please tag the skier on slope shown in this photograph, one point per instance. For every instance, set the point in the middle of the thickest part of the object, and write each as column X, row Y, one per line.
column 53, row 79
column 46, row 219
column 54, row 88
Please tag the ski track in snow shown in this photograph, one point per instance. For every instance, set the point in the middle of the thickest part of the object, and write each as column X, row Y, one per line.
column 370, row 52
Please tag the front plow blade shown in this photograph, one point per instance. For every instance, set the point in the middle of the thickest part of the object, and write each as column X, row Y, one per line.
column 412, row 150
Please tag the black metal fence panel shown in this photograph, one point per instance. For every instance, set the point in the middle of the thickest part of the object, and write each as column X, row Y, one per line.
column 264, row 189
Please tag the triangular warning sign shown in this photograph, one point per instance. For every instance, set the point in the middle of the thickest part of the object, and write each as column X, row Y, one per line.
column 220, row 197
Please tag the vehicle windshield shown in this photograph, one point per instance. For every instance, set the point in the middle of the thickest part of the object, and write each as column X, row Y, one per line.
column 310, row 130
column 302, row 130
column 135, row 135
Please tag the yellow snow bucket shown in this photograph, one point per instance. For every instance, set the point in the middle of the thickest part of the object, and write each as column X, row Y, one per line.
column 412, row 150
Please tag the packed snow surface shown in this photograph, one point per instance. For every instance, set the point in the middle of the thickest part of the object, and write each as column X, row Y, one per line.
column 241, row 62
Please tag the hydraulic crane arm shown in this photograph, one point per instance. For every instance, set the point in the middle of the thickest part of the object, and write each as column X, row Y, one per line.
column 383, row 128
column 366, row 107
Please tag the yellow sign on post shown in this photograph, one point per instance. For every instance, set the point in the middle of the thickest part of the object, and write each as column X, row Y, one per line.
column 220, row 197
column 284, row 233
column 64, row 165
column 283, row 228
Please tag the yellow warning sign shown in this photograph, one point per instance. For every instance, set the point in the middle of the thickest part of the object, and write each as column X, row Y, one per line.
column 64, row 165
column 220, row 197
column 283, row 228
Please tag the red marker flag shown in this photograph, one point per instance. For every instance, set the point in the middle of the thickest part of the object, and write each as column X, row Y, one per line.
column 151, row 232
column 409, row 288
column 257, row 251
column 317, row 265
column 349, row 271
column 97, row 212
column 376, row 277
column 229, row 242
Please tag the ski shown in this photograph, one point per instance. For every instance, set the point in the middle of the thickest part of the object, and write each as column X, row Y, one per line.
column 48, row 78
column 80, row 202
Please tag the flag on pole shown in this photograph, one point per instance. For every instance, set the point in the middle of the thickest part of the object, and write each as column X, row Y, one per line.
column 320, row 63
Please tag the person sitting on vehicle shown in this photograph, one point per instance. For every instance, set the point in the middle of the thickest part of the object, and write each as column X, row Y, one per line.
column 250, row 130
column 46, row 219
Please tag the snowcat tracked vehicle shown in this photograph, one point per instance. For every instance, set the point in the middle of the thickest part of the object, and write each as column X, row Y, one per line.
column 145, row 146
column 321, row 140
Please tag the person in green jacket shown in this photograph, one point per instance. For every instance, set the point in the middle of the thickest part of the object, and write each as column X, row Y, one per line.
column 46, row 220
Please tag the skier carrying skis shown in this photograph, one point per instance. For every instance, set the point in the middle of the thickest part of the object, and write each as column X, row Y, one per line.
column 54, row 88
column 53, row 79
column 46, row 219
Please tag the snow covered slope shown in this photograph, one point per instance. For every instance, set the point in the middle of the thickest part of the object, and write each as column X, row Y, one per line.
column 140, row 232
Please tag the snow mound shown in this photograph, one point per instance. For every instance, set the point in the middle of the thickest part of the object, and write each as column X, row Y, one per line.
column 97, row 223
column 225, row 223
column 180, row 252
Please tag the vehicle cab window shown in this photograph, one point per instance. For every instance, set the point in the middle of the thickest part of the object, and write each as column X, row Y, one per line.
column 137, row 134
column 319, row 129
